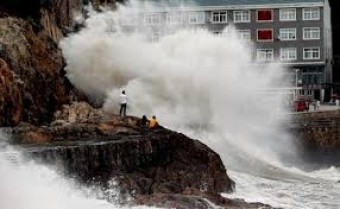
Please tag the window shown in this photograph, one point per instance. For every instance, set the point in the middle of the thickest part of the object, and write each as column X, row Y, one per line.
column 196, row 17
column 287, row 34
column 311, row 53
column 312, row 13
column 288, row 14
column 265, row 35
column 219, row 17
column 264, row 15
column 152, row 19
column 245, row 35
column 241, row 16
column 311, row 33
column 264, row 55
column 312, row 77
column 174, row 18
column 288, row 54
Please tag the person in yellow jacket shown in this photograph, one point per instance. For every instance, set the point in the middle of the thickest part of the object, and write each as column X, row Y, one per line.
column 153, row 122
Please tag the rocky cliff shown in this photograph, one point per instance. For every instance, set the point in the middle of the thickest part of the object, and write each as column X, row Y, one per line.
column 33, row 80
column 36, row 63
column 145, row 160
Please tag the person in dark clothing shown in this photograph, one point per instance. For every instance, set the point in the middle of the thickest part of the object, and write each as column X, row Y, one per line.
column 144, row 121
column 144, row 124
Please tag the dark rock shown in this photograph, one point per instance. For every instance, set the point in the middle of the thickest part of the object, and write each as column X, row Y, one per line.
column 147, row 162
column 11, row 102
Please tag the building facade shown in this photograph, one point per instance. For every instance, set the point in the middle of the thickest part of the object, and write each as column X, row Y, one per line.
column 297, row 33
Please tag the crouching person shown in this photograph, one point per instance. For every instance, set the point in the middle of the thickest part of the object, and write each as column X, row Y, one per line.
column 153, row 122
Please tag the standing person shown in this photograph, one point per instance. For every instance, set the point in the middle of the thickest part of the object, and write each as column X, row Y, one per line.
column 153, row 122
column 318, row 104
column 123, row 101
column 144, row 121
column 314, row 105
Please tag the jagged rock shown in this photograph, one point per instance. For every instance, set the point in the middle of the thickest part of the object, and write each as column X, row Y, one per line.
column 56, row 16
column 36, row 61
column 11, row 104
column 29, row 35
column 76, row 112
column 142, row 161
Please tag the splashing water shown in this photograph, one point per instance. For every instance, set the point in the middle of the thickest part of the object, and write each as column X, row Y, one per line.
column 191, row 79
column 205, row 86
column 27, row 185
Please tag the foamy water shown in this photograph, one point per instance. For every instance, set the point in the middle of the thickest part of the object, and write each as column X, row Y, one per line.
column 27, row 185
column 289, row 193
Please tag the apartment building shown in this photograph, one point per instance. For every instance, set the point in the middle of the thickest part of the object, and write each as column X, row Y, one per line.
column 297, row 33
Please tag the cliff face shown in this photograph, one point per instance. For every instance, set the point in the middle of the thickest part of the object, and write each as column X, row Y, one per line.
column 159, row 161
column 29, row 35
column 34, row 59
column 11, row 96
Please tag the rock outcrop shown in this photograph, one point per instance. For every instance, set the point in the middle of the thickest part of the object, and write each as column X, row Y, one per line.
column 29, row 35
column 142, row 161
column 34, row 58
column 155, row 167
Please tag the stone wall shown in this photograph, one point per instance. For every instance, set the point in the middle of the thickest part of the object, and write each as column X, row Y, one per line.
column 317, row 136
